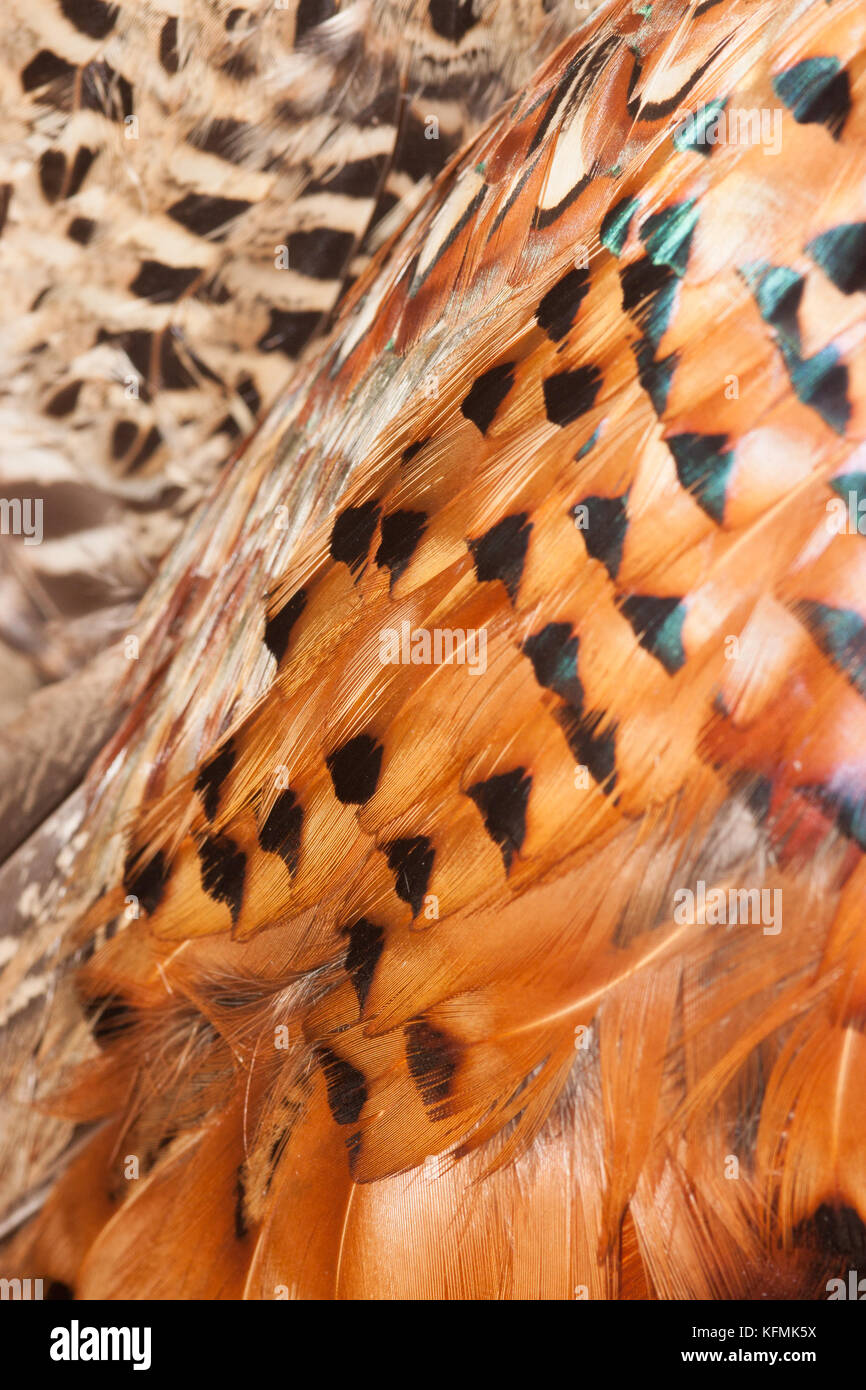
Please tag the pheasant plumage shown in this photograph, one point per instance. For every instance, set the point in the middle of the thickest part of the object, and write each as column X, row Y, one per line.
column 185, row 191
column 394, row 952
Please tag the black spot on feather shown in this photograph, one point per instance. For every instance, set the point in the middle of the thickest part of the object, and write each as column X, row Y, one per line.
column 501, row 552
column 568, row 395
column 311, row 13
column 163, row 284
column 553, row 653
column 52, row 172
column 347, row 1088
column 558, row 309
column 110, row 1015
column 84, row 158
column 704, row 466
column 240, row 1204
column 106, row 91
column 411, row 860
column 224, row 137
column 147, row 884
column 592, row 749
column 223, row 869
column 432, row 1057
column 816, row 90
column 412, row 449
column 486, row 395
column 354, row 769
column 289, row 330
column 278, row 628
column 604, row 533
column 452, row 19
column 168, row 54
column 366, row 942
column 657, row 624
column 81, row 229
column 44, row 68
column 841, row 254
column 401, row 532
column 320, row 252
column 352, row 534
column 122, row 436
column 212, row 775
column 281, row 832
column 91, row 17
column 64, row 401
column 835, row 1230
column 502, row 801
column 203, row 214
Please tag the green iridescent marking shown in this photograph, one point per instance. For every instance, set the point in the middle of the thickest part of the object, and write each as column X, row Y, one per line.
column 614, row 228
column 696, row 133
column 841, row 254
column 841, row 635
column 667, row 235
column 704, row 468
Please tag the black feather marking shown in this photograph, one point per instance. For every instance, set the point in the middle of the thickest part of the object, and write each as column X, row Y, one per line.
column 147, row 884
column 289, row 330
column 223, row 137
column 84, row 157
column 163, row 284
column 502, row 801
column 320, row 253
column 203, row 214
column 433, row 1058
column 209, row 781
column 106, row 91
column 223, row 869
column 44, row 68
column 816, row 90
column 81, row 229
column 704, row 467
column 347, row 1088
column 168, row 54
column 354, row 769
column 412, row 449
column 122, row 436
column 311, row 13
column 240, row 1205
column 593, row 750
column 553, row 653
column 411, row 860
column 91, row 17
column 604, row 534
column 558, row 309
column 568, row 395
column 486, row 395
column 278, row 628
column 366, row 943
column 657, row 624
column 401, row 532
column 110, row 1016
column 281, row 832
column 352, row 534
column 452, row 19
column 501, row 552
column 52, row 172
column 64, row 401
column 841, row 254
column 648, row 294
column 836, row 1229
